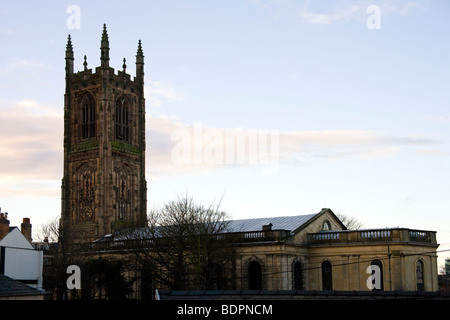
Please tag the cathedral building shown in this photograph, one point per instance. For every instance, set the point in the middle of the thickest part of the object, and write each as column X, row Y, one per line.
column 104, row 191
column 104, row 186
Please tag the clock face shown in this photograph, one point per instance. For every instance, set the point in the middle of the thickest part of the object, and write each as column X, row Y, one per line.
column 87, row 213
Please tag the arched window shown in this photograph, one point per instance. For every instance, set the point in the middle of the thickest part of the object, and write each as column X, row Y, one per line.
column 326, row 226
column 419, row 276
column 87, row 117
column 379, row 281
column 254, row 276
column 327, row 276
column 298, row 276
column 122, row 119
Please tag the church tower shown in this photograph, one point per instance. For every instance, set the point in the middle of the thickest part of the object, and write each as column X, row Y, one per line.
column 104, row 187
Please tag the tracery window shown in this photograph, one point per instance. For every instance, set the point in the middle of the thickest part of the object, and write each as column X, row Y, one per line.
column 88, row 123
column 122, row 119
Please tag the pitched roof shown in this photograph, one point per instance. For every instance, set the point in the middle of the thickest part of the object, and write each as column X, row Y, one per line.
column 15, row 239
column 11, row 287
column 290, row 223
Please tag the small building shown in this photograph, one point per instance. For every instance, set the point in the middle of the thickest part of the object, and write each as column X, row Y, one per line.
column 11, row 289
column 19, row 260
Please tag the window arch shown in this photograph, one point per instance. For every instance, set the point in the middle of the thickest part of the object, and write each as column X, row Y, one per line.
column 419, row 276
column 326, row 226
column 88, row 121
column 379, row 264
column 327, row 275
column 122, row 119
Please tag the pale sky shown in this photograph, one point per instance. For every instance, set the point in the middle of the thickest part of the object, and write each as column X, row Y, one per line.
column 360, row 116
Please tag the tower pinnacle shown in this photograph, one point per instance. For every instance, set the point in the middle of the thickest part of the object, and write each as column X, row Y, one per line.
column 69, row 56
column 140, row 63
column 104, row 57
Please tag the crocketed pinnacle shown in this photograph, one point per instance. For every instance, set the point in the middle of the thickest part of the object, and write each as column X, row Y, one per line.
column 139, row 50
column 69, row 44
column 104, row 54
column 105, row 40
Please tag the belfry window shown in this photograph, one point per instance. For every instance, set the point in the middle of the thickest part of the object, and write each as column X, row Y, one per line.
column 88, row 117
column 121, row 119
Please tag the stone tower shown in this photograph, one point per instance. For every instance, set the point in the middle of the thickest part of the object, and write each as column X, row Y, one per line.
column 104, row 187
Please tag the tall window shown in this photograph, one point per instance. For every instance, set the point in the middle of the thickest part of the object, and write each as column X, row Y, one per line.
column 298, row 276
column 327, row 276
column 254, row 276
column 87, row 117
column 419, row 276
column 378, row 263
column 122, row 117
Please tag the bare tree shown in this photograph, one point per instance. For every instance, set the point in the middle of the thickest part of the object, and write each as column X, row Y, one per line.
column 60, row 252
column 351, row 223
column 49, row 231
column 184, row 248
column 56, row 259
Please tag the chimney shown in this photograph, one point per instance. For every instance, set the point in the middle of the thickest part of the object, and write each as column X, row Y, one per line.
column 267, row 227
column 25, row 228
column 4, row 225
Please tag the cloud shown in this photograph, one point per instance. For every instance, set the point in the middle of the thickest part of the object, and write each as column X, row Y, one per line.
column 19, row 65
column 23, row 75
column 30, row 142
column 31, row 147
column 311, row 146
column 160, row 91
column 177, row 148
column 329, row 12
column 432, row 152
column 445, row 118
column 6, row 31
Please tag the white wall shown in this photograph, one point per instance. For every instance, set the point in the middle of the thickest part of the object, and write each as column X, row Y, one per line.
column 24, row 264
column 22, row 261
